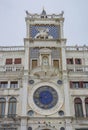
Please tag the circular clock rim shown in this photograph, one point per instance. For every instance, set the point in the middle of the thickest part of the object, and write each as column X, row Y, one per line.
column 39, row 110
column 40, row 97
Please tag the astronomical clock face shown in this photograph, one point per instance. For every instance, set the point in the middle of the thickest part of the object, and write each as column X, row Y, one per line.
column 47, row 31
column 45, row 97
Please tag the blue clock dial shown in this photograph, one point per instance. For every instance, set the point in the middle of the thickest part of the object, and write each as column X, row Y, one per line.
column 45, row 97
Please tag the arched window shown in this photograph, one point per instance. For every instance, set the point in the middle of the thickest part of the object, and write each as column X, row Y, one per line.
column 86, row 106
column 78, row 107
column 12, row 107
column 2, row 107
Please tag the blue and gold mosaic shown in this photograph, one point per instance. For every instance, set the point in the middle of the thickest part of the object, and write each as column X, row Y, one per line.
column 53, row 30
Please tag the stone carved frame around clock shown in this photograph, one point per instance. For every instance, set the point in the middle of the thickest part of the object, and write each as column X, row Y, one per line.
column 39, row 110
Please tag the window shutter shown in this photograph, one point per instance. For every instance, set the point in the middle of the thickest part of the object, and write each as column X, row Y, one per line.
column 86, row 100
column 72, row 61
column 34, row 64
column 78, row 107
column 86, row 106
column 56, row 63
column 81, row 84
column 17, row 61
column 67, row 61
column 9, row 61
column 80, row 61
column 75, row 61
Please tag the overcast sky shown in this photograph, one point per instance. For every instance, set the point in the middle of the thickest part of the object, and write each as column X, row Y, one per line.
column 12, row 19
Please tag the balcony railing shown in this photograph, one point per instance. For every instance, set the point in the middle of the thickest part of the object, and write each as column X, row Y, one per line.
column 77, row 48
column 77, row 68
column 11, row 68
column 11, row 48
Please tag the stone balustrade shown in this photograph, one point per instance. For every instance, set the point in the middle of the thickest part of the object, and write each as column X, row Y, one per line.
column 55, row 16
column 70, row 68
column 77, row 48
column 11, row 68
column 11, row 48
column 21, row 48
column 77, row 68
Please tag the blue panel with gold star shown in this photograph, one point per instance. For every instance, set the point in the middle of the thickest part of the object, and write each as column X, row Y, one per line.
column 48, row 30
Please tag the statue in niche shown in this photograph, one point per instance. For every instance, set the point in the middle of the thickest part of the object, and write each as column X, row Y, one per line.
column 43, row 33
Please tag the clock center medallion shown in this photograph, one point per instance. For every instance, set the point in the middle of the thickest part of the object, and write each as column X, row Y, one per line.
column 46, row 97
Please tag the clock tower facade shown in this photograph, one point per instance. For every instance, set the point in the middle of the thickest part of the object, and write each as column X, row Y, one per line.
column 44, row 84
column 45, row 97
